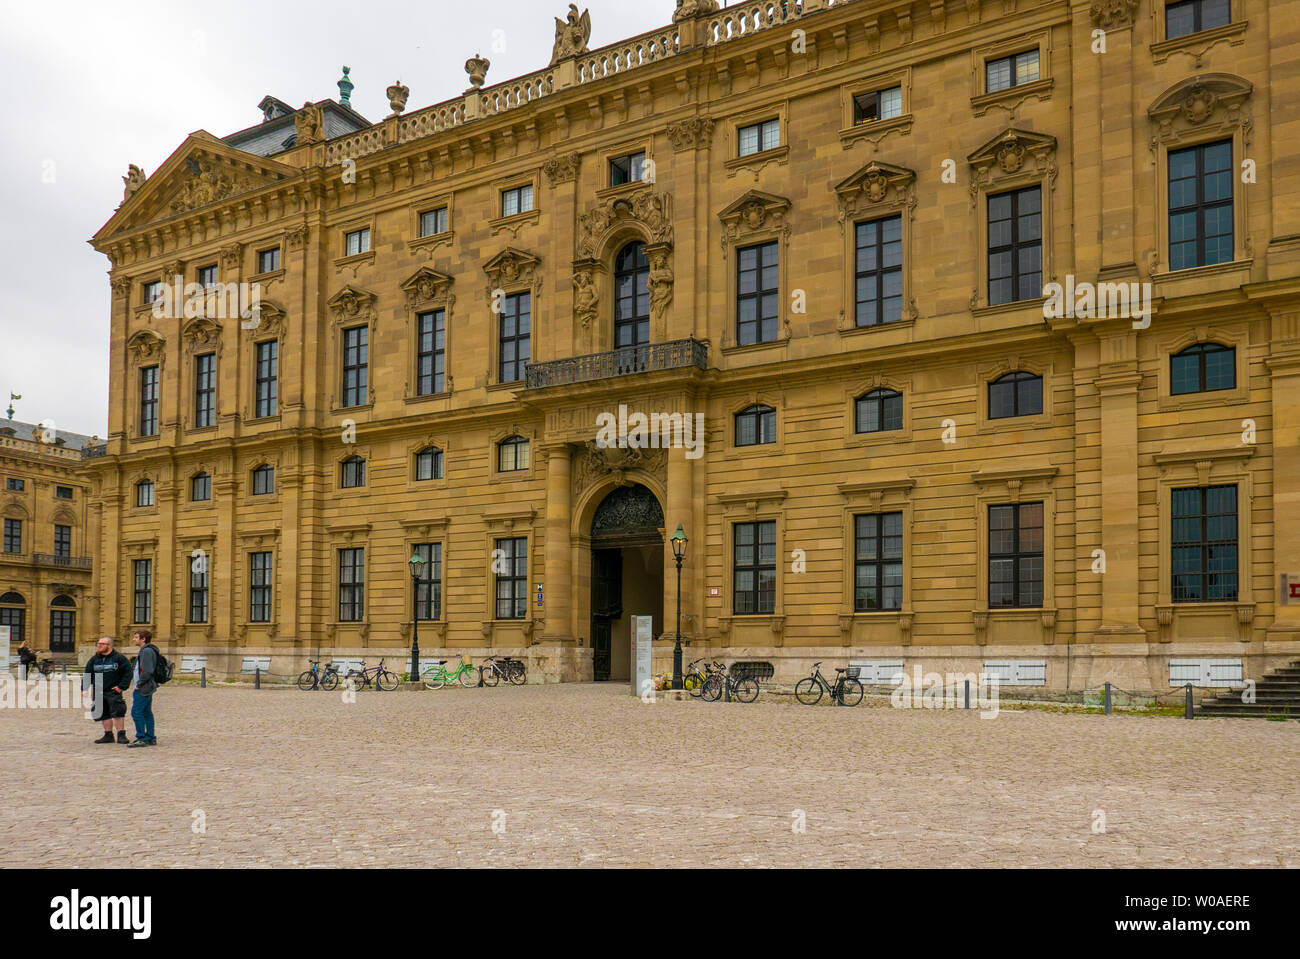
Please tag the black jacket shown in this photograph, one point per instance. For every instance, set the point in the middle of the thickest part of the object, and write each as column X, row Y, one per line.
column 147, row 662
column 115, row 668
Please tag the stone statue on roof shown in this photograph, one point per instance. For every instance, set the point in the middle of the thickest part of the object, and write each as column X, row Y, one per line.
column 309, row 123
column 571, row 38
column 134, row 179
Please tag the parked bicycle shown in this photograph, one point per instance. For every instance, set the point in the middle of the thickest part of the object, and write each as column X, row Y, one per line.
column 694, row 678
column 720, row 680
column 326, row 678
column 437, row 675
column 369, row 676
column 498, row 668
column 37, row 667
column 846, row 690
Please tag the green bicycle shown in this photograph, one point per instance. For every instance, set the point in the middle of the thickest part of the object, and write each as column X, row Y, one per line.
column 437, row 676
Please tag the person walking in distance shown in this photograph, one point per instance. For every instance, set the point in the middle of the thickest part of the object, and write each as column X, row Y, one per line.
column 145, row 686
column 109, row 673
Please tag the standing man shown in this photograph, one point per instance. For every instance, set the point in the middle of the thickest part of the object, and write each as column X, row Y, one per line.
column 110, row 673
column 145, row 686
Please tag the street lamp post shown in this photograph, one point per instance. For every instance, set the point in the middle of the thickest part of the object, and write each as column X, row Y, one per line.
column 417, row 574
column 679, row 553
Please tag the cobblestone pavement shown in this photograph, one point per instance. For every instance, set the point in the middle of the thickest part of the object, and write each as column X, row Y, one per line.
column 590, row 776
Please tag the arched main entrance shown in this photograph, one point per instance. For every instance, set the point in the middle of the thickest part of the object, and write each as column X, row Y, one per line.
column 627, row 576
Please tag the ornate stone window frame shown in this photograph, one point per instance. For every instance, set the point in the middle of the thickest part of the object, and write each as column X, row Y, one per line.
column 343, row 262
column 145, row 348
column 1195, row 45
column 144, row 547
column 876, row 192
column 263, row 246
column 1237, row 338
column 200, row 337
column 1012, row 98
column 149, row 475
column 496, row 437
column 1195, row 111
column 1013, row 160
column 189, row 473
column 261, row 540
column 417, row 533
column 341, row 456
column 755, row 219
column 512, row 272
column 1196, row 468
column 621, row 149
column 428, row 291
column 757, row 506
column 255, row 462
column 350, row 308
column 350, row 536
column 428, row 245
column 510, row 522
column 497, row 223
column 860, row 388
column 739, row 404
column 874, row 131
column 272, row 324
column 988, row 373
column 997, row 487
column 756, row 162
column 207, row 542
column 418, row 446
column 866, row 499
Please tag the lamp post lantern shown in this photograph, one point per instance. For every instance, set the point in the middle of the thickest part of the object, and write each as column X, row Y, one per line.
column 417, row 574
column 679, row 542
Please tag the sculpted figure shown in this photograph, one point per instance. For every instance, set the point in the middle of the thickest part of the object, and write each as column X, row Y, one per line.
column 586, row 301
column 661, row 283
column 571, row 38
column 309, row 123
column 134, row 179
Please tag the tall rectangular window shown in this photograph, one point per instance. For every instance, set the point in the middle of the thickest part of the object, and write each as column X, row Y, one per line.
column 879, row 271
column 352, row 585
column 759, row 137
column 63, row 630
column 431, row 352
column 199, row 591
column 356, row 242
column 511, row 564
column 268, row 379
column 1016, row 556
column 205, row 390
column 1193, row 16
column 149, row 401
column 428, row 595
column 878, row 562
column 516, row 338
column 259, row 587
column 517, row 200
column 1200, row 205
column 1015, row 246
column 754, row 568
column 201, row 488
column 433, row 222
column 356, row 366
column 142, row 612
column 62, row 541
column 1012, row 71
column 758, row 294
column 264, row 480
column 13, row 536
column 1203, row 546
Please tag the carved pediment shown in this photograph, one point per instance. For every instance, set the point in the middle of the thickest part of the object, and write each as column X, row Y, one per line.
column 429, row 287
column 876, row 184
column 512, row 268
column 351, row 303
column 201, row 335
column 648, row 212
column 1204, row 104
column 1012, row 151
column 145, row 347
column 755, row 212
column 268, row 319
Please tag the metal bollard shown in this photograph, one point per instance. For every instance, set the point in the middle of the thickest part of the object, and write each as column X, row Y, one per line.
column 64, row 667
column 257, row 677
column 1187, row 712
column 203, row 677
column 968, row 694
column 1109, row 705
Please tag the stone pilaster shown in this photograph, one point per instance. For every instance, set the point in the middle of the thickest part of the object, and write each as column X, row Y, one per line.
column 558, row 575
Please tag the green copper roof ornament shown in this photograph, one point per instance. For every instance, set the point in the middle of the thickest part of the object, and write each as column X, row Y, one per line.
column 346, row 87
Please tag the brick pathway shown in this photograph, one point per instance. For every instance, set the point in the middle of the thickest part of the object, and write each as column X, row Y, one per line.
column 587, row 775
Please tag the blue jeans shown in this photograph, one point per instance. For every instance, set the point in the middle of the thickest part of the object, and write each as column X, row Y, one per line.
column 142, row 716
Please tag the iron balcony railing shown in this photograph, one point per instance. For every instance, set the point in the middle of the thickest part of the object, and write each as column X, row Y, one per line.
column 674, row 355
column 62, row 562
column 94, row 452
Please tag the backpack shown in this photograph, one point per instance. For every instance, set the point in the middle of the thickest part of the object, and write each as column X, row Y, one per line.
column 162, row 670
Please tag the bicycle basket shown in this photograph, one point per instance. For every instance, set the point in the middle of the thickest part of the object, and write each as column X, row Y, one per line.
column 855, row 672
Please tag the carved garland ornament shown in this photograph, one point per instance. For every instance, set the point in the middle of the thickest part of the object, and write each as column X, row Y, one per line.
column 1009, row 154
column 652, row 211
column 1214, row 102
column 876, row 183
column 429, row 287
column 352, row 304
column 146, row 347
column 562, row 169
column 692, row 134
column 593, row 463
column 1113, row 14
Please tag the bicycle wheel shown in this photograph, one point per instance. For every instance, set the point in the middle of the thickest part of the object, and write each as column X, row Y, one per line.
column 387, row 681
column 518, row 675
column 490, row 676
column 746, row 690
column 469, row 677
column 711, row 691
column 307, row 681
column 808, row 691
column 330, row 682
column 434, row 680
column 692, row 683
column 852, row 692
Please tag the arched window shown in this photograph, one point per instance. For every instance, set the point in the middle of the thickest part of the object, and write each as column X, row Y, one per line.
column 880, row 411
column 200, row 488
column 144, row 493
column 512, row 455
column 1016, row 394
column 428, row 464
column 632, row 297
column 354, row 473
column 63, row 625
column 13, row 613
column 264, row 480
column 756, row 426
column 1203, row 368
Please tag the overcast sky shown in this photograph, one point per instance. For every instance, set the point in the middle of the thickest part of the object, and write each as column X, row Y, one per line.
column 90, row 87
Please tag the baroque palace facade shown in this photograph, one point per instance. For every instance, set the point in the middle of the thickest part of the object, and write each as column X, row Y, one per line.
column 829, row 229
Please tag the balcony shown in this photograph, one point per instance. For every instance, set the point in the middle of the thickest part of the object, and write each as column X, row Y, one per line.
column 94, row 452
column 675, row 355
column 61, row 562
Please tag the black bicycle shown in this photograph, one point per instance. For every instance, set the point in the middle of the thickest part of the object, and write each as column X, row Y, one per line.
column 497, row 668
column 720, row 679
column 846, row 691
column 326, row 678
column 369, row 676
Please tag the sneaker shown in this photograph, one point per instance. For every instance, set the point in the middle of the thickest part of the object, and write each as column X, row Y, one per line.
column 106, row 738
column 121, row 738
column 139, row 742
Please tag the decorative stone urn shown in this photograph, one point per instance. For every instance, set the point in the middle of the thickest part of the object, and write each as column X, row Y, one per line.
column 397, row 96
column 477, row 68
